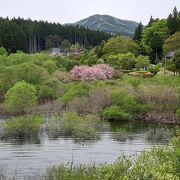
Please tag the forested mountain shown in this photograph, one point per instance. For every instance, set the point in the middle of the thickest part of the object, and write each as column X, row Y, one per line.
column 110, row 24
column 32, row 36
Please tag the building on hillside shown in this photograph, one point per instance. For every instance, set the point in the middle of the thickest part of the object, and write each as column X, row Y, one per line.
column 170, row 55
column 55, row 51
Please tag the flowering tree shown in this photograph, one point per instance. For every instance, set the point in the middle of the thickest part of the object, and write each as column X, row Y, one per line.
column 95, row 72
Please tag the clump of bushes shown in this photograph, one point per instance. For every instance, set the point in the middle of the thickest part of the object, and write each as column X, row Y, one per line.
column 74, row 90
column 95, row 72
column 161, row 97
column 115, row 113
column 22, row 127
column 20, row 97
column 77, row 126
column 178, row 112
column 154, row 69
column 125, row 106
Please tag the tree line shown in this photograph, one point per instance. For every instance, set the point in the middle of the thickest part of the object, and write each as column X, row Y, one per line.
column 32, row 36
column 156, row 32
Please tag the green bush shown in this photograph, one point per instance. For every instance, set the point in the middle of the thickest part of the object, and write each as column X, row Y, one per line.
column 75, row 90
column 77, row 126
column 21, row 96
column 154, row 69
column 3, row 51
column 22, row 127
column 70, row 64
column 130, row 104
column 30, row 73
column 50, row 66
column 178, row 113
column 115, row 113
column 117, row 96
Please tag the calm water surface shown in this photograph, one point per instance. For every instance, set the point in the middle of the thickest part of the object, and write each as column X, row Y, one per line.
column 24, row 158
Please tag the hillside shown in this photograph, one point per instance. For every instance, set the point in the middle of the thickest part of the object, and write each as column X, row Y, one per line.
column 109, row 24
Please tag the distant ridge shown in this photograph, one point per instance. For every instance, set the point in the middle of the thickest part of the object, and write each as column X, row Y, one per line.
column 110, row 24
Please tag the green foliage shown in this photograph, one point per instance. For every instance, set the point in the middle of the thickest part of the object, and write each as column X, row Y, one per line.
column 176, row 60
column 157, row 28
column 20, row 97
column 115, row 113
column 19, row 52
column 7, row 78
column 71, row 124
column 75, row 90
column 34, row 36
column 70, row 64
column 92, row 60
column 120, row 44
column 122, row 61
column 50, row 66
column 154, row 69
column 138, row 32
column 22, row 127
column 3, row 51
column 142, row 61
column 171, row 66
column 65, row 46
column 45, row 92
column 173, row 21
column 117, row 96
column 178, row 113
column 30, row 73
column 172, row 43
column 154, row 36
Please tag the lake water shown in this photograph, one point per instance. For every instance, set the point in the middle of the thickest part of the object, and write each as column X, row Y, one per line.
column 24, row 158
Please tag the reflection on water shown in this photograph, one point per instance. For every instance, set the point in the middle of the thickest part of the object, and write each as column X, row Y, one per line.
column 33, row 156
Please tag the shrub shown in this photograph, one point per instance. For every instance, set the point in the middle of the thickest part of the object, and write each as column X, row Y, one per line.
column 45, row 92
column 96, row 100
column 142, row 61
column 115, row 113
column 161, row 96
column 81, row 127
column 71, row 64
column 22, row 127
column 154, row 69
column 117, row 96
column 95, row 72
column 75, row 90
column 178, row 113
column 122, row 61
column 50, row 66
column 3, row 51
column 31, row 73
column 21, row 96
column 63, row 76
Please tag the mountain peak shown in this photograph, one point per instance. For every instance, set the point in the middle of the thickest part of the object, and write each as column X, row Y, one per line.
column 109, row 24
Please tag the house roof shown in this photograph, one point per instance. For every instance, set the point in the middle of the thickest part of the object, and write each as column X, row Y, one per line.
column 170, row 54
column 56, row 50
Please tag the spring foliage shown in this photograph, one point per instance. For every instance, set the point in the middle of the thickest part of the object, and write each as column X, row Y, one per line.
column 21, row 96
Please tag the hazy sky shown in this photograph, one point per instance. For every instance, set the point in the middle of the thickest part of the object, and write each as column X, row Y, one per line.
column 68, row 11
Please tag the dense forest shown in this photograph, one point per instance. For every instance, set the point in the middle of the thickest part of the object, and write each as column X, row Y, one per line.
column 31, row 36
column 154, row 36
